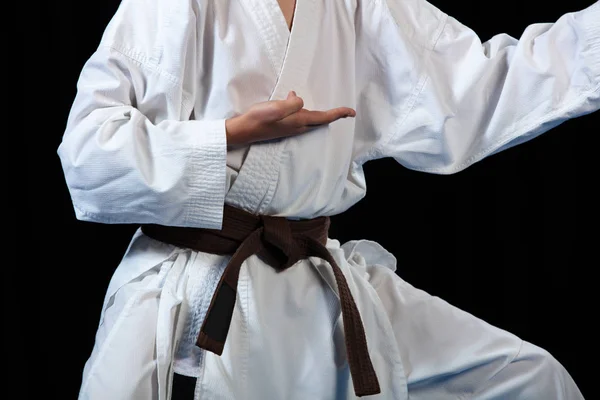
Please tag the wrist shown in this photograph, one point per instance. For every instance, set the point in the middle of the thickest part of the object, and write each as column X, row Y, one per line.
column 234, row 131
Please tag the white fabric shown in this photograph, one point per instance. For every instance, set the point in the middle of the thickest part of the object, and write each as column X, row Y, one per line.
column 145, row 143
column 286, row 338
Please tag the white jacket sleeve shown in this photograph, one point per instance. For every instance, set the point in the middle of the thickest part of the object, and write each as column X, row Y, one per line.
column 467, row 99
column 131, row 152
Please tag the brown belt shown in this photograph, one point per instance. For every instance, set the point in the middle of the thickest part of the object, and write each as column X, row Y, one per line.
column 280, row 243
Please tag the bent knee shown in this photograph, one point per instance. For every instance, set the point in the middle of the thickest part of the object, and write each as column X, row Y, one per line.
column 539, row 360
column 538, row 373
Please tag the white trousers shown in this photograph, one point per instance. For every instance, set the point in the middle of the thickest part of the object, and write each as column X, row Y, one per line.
column 286, row 338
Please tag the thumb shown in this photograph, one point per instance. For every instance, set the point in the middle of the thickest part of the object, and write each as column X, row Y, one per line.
column 292, row 104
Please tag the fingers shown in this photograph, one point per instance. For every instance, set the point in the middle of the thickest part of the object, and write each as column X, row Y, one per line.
column 292, row 108
column 280, row 118
column 312, row 118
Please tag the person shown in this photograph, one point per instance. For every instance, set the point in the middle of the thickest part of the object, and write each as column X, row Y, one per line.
column 231, row 130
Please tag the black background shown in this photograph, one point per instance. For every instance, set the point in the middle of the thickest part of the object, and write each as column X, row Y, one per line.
column 511, row 239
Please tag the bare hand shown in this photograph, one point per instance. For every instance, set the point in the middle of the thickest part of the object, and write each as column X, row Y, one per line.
column 279, row 118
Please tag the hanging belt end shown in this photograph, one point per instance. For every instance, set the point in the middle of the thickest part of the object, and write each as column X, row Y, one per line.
column 366, row 383
column 209, row 344
column 368, row 390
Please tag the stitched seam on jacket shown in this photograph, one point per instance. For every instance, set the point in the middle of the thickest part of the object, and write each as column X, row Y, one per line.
column 378, row 150
column 143, row 61
column 438, row 30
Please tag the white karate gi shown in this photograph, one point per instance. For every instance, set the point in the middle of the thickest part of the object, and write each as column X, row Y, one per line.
column 145, row 143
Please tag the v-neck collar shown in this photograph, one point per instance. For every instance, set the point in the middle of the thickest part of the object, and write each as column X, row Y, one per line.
column 283, row 14
column 288, row 49
column 290, row 53
column 273, row 29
